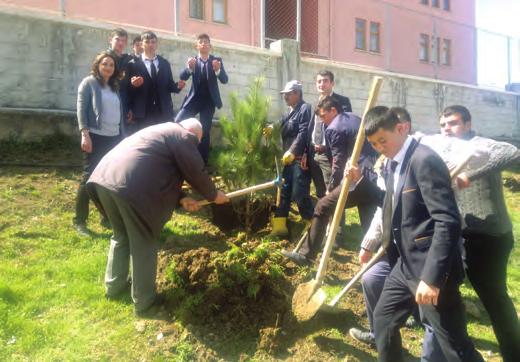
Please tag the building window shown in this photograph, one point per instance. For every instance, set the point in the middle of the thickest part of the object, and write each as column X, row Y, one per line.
column 361, row 28
column 424, row 2
column 436, row 50
column 424, row 50
column 435, row 3
column 374, row 37
column 197, row 9
column 446, row 52
column 219, row 11
column 446, row 5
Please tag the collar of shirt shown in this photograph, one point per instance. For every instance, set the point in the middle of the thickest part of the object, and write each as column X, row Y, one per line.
column 147, row 63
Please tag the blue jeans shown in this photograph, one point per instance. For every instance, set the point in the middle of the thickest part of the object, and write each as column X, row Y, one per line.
column 296, row 187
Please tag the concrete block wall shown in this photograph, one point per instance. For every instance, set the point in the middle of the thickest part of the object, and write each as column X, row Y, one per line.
column 44, row 58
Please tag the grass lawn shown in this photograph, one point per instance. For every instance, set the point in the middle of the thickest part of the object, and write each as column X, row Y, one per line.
column 51, row 281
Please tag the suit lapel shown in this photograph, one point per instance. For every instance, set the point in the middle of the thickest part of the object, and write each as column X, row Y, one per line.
column 403, row 174
column 143, row 69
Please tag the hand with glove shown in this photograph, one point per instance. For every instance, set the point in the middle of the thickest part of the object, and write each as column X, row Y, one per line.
column 288, row 158
column 267, row 130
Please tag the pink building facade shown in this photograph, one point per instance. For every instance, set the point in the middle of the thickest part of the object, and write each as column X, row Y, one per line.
column 428, row 38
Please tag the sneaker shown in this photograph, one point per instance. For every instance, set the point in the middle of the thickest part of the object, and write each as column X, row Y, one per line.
column 82, row 230
column 296, row 257
column 155, row 311
column 362, row 336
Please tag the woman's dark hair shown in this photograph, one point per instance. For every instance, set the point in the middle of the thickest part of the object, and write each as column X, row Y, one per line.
column 113, row 81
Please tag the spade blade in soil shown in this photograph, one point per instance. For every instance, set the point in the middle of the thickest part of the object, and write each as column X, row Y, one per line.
column 307, row 300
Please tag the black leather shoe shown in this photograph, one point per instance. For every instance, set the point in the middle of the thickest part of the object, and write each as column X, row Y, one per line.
column 82, row 230
column 296, row 257
column 362, row 336
column 121, row 294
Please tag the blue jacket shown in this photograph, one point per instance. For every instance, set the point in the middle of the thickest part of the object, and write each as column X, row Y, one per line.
column 294, row 128
column 340, row 136
column 212, row 81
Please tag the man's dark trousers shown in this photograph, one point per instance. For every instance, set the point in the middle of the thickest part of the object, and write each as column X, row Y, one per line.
column 447, row 318
column 206, row 109
column 486, row 261
column 296, row 188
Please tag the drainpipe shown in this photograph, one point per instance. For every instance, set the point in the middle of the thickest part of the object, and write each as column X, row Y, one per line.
column 298, row 20
column 262, row 23
column 62, row 8
column 176, row 15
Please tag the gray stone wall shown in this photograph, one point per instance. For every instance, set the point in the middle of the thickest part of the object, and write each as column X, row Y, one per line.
column 43, row 59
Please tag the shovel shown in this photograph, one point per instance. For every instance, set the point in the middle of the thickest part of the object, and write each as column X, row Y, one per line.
column 277, row 182
column 309, row 297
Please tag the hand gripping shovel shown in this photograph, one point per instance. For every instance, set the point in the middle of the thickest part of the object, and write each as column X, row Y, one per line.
column 309, row 297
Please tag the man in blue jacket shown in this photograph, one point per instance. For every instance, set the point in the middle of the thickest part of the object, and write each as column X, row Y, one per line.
column 297, row 181
column 204, row 94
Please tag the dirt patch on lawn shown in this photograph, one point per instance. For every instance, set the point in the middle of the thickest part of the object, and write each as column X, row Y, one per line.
column 236, row 301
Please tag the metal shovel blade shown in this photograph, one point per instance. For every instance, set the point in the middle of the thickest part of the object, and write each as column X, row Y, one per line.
column 307, row 300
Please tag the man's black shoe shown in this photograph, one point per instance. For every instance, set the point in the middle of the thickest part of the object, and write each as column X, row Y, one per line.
column 121, row 294
column 82, row 230
column 362, row 336
column 296, row 257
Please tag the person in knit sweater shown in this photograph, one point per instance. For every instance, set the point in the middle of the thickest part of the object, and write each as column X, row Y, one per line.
column 487, row 228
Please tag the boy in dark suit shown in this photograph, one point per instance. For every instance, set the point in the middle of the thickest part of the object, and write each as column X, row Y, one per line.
column 421, row 234
column 204, row 94
column 152, row 83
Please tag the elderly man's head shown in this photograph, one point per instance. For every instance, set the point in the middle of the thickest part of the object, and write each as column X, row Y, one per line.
column 192, row 125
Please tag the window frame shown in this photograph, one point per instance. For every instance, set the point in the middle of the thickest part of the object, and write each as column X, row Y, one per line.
column 446, row 52
column 376, row 35
column 436, row 4
column 446, row 5
column 424, row 47
column 363, row 33
column 203, row 15
column 225, row 21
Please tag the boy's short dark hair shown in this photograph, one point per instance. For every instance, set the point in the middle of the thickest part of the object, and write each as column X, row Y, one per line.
column 326, row 73
column 327, row 103
column 380, row 117
column 120, row 32
column 137, row 39
column 203, row 36
column 147, row 35
column 462, row 111
column 402, row 114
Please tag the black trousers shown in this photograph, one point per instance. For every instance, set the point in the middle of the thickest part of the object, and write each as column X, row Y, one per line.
column 365, row 201
column 206, row 109
column 100, row 147
column 447, row 319
column 486, row 266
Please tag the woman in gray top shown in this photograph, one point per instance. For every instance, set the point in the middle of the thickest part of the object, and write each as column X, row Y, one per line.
column 99, row 112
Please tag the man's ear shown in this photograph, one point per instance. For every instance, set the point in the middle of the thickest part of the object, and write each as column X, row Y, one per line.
column 401, row 128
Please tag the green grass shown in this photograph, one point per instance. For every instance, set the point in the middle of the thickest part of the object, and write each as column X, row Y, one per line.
column 51, row 281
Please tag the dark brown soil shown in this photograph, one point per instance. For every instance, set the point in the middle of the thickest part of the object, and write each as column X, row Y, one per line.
column 226, row 322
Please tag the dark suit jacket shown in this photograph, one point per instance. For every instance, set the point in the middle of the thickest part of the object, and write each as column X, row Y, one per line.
column 165, row 86
column 212, row 81
column 345, row 103
column 426, row 220
column 340, row 136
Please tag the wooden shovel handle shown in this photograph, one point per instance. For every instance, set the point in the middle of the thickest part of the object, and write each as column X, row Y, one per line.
column 245, row 191
column 340, row 206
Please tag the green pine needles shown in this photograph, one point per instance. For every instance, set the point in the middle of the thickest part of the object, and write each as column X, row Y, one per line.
column 247, row 156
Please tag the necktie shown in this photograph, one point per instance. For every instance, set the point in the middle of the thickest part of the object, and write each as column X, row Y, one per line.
column 153, row 70
column 387, row 204
column 203, row 71
column 318, row 131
